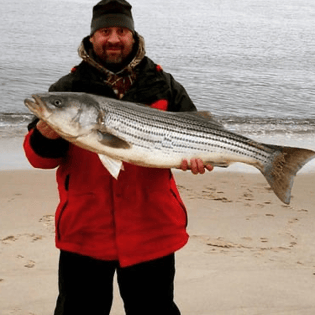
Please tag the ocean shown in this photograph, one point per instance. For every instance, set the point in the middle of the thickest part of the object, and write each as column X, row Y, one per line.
column 249, row 62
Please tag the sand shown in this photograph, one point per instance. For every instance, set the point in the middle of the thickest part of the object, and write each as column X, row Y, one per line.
column 248, row 253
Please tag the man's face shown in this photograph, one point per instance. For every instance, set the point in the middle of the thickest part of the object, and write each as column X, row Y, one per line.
column 112, row 44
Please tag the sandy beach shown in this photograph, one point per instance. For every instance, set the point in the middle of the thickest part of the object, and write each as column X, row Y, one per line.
column 248, row 253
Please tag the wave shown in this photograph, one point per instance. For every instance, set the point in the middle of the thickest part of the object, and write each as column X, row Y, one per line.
column 14, row 118
column 268, row 126
column 16, row 124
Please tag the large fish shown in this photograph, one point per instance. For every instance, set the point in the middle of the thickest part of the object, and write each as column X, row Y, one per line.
column 123, row 131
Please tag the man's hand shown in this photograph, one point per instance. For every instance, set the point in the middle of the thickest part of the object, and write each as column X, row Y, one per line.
column 196, row 166
column 46, row 131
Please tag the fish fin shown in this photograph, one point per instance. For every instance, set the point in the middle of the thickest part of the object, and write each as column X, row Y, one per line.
column 113, row 166
column 282, row 168
column 205, row 116
column 112, row 141
column 216, row 164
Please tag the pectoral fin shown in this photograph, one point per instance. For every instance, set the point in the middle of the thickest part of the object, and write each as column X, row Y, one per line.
column 113, row 166
column 112, row 141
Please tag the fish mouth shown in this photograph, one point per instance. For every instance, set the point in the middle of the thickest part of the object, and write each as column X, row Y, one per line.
column 33, row 102
column 37, row 106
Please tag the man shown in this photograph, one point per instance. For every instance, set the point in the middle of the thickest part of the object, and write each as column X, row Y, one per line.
column 132, row 225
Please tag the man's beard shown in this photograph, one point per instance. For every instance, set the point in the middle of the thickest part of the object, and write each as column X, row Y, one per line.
column 114, row 58
column 116, row 61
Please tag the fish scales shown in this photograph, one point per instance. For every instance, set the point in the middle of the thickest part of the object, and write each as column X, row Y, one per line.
column 238, row 141
column 138, row 125
column 148, row 128
column 122, row 131
column 196, row 141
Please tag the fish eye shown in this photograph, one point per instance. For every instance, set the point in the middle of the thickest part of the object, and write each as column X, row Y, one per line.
column 57, row 103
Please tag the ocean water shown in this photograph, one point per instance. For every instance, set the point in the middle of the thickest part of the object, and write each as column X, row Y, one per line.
column 250, row 62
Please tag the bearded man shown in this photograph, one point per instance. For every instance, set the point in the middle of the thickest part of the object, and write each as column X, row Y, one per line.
column 133, row 225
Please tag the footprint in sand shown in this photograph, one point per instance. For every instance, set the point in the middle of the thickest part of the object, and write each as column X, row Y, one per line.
column 30, row 264
column 293, row 220
column 48, row 221
column 247, row 238
column 9, row 239
column 248, row 196
column 303, row 210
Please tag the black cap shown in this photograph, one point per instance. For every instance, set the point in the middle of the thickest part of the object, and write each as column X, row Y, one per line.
column 110, row 13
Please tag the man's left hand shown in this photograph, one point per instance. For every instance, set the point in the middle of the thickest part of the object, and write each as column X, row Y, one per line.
column 196, row 166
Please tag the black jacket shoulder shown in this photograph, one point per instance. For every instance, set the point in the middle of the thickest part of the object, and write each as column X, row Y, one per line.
column 152, row 84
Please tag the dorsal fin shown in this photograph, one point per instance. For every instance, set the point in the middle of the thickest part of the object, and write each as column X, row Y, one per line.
column 206, row 116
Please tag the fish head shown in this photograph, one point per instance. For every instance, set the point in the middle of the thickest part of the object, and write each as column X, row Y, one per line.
column 69, row 114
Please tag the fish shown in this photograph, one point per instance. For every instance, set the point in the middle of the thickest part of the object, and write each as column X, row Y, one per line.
column 120, row 131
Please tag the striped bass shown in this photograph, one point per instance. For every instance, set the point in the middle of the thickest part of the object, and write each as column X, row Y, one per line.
column 122, row 131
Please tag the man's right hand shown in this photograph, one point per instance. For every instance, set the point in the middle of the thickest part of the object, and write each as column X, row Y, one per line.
column 46, row 130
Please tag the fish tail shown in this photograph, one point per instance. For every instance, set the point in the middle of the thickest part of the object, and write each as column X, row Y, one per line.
column 282, row 168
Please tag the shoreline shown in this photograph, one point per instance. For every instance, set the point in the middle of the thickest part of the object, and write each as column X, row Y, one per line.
column 12, row 158
column 248, row 253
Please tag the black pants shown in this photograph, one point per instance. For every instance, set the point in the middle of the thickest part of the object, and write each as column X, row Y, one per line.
column 86, row 286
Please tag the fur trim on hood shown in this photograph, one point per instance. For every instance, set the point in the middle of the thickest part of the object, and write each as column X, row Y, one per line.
column 122, row 80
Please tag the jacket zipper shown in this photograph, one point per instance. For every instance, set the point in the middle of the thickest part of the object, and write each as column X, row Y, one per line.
column 63, row 208
column 182, row 206
column 60, row 215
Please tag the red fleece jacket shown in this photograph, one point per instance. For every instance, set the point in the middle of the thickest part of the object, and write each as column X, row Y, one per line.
column 137, row 218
